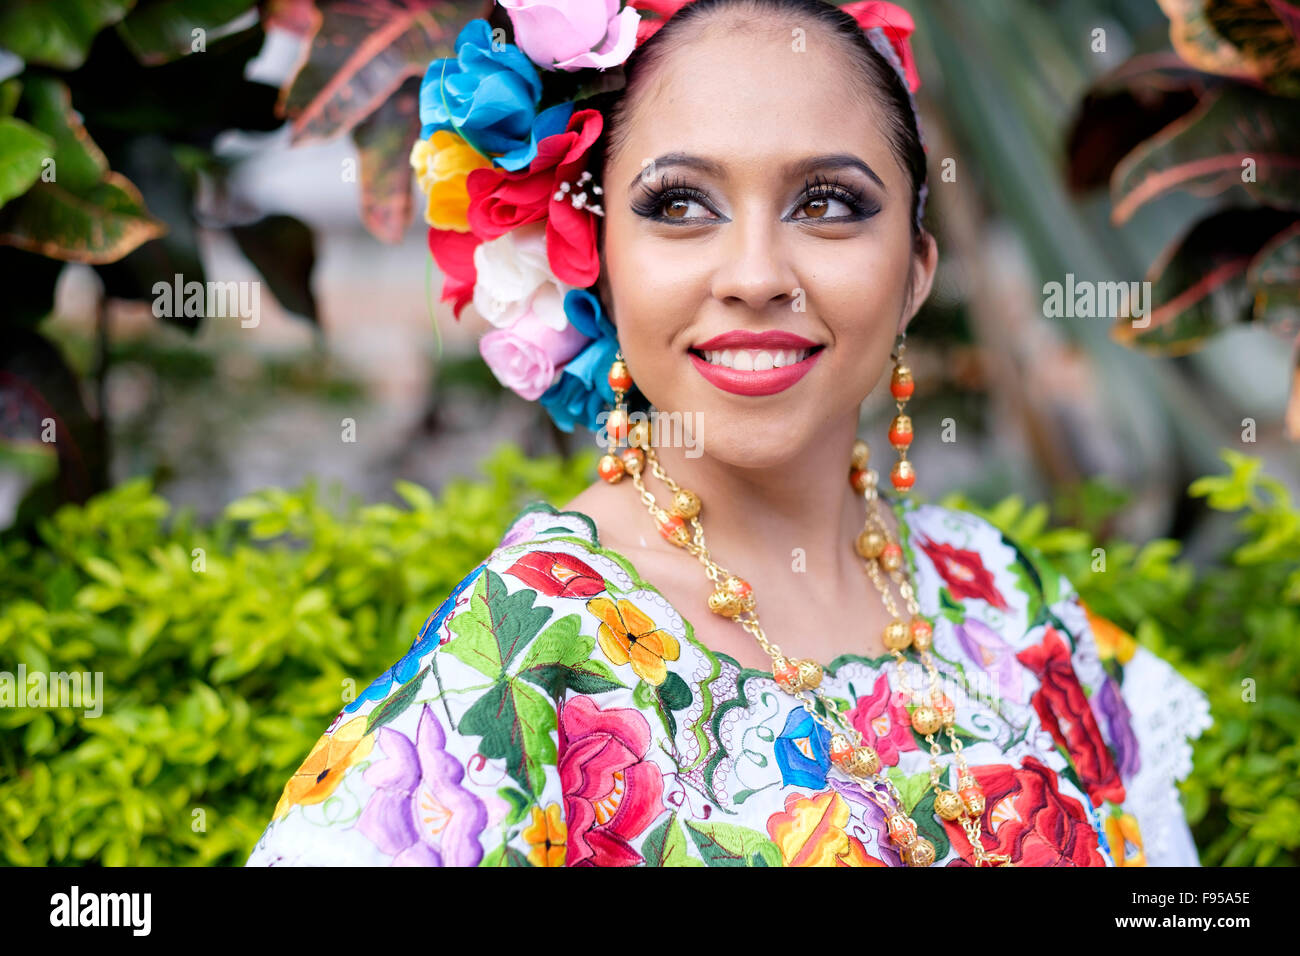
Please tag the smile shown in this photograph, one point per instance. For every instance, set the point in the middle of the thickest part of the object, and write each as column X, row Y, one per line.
column 754, row 371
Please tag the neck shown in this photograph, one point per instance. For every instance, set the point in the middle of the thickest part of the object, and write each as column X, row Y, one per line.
column 755, row 518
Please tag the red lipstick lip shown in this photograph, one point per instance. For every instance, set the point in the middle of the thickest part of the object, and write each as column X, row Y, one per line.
column 767, row 382
column 770, row 339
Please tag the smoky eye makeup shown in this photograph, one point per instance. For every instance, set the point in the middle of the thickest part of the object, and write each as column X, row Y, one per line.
column 818, row 199
column 651, row 201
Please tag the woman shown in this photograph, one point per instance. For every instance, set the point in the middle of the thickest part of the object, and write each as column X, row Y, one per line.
column 833, row 674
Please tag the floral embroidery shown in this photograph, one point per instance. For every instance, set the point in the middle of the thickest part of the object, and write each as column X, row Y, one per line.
column 325, row 765
column 883, row 721
column 803, row 751
column 964, row 573
column 1122, row 833
column 557, row 574
column 507, row 735
column 419, row 813
column 1030, row 818
column 611, row 792
column 810, row 832
column 628, row 634
column 998, row 658
column 546, row 835
column 1061, row 700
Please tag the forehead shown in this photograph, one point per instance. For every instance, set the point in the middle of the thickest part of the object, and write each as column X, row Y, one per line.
column 755, row 95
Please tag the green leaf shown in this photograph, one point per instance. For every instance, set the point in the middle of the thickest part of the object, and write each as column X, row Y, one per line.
column 725, row 844
column 357, row 59
column 39, row 734
column 162, row 31
column 929, row 827
column 674, row 693
column 665, row 845
column 57, row 33
column 561, row 657
column 1203, row 153
column 949, row 608
column 23, row 149
column 384, row 140
column 496, row 625
column 284, row 251
column 1198, row 285
column 911, row 789
column 1274, row 277
column 515, row 723
column 505, row 855
column 519, row 804
column 396, row 704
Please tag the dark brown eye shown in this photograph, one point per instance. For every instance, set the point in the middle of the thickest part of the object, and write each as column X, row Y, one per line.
column 820, row 205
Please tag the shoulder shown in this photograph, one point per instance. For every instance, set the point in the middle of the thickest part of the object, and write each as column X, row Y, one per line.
column 967, row 561
column 450, row 756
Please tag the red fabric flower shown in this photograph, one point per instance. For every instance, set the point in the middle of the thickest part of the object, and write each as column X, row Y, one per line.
column 964, row 573
column 898, row 26
column 501, row 201
column 1030, row 819
column 646, row 28
column 454, row 253
column 557, row 574
column 611, row 792
column 883, row 721
column 1063, row 709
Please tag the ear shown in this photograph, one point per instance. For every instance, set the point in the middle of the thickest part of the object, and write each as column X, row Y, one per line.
column 924, row 265
column 603, row 289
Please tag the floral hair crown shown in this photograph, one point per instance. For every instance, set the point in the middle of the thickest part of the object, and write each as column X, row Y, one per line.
column 511, row 208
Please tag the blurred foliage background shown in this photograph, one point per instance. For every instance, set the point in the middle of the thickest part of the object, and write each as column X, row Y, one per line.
column 1070, row 141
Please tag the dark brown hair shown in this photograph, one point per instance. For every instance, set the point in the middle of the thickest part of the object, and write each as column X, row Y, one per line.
column 881, row 82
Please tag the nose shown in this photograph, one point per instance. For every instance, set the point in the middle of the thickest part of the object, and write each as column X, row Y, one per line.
column 754, row 265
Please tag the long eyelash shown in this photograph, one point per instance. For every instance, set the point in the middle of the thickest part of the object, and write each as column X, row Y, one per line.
column 823, row 188
column 650, row 204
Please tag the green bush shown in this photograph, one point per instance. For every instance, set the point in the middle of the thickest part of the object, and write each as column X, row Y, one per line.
column 227, row 648
column 217, row 681
column 1234, row 631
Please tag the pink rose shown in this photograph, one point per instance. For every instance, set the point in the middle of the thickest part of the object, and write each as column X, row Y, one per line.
column 573, row 34
column 524, row 357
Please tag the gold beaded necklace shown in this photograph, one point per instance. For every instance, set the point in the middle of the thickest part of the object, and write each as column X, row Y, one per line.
column 733, row 598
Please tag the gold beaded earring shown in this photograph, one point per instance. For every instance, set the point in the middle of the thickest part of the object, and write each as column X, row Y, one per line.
column 618, row 461
column 901, row 386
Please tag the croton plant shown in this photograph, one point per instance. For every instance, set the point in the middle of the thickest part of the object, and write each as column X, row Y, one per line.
column 1216, row 117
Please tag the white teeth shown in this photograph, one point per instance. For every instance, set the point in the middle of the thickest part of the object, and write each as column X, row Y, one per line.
column 755, row 360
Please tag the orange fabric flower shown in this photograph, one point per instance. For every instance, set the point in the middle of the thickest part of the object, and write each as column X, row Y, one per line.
column 1112, row 641
column 628, row 634
column 442, row 164
column 321, row 771
column 1122, row 832
column 547, row 834
column 811, row 832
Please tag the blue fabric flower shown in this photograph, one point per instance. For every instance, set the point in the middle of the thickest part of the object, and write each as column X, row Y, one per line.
column 409, row 665
column 803, row 751
column 489, row 97
column 582, row 392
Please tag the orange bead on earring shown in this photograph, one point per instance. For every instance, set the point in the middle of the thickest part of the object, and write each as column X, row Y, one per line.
column 614, row 464
column 901, row 386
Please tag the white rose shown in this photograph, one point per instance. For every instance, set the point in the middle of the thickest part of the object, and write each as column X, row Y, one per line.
column 514, row 277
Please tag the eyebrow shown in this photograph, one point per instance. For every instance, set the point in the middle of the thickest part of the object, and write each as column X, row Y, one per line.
column 798, row 167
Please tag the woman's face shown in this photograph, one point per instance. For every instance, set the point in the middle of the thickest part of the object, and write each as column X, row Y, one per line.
column 757, row 242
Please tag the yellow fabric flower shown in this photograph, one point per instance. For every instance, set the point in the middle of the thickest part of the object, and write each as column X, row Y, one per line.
column 324, row 767
column 1122, row 832
column 442, row 163
column 1112, row 641
column 810, row 832
column 547, row 834
column 628, row 634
